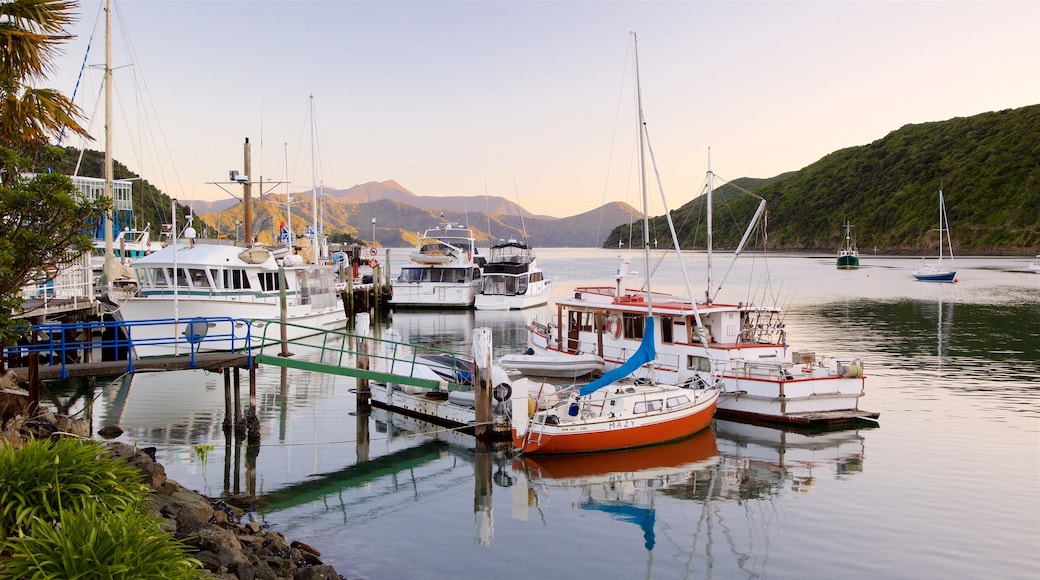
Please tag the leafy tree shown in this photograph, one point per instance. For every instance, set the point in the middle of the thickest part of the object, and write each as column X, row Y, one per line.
column 31, row 32
column 42, row 215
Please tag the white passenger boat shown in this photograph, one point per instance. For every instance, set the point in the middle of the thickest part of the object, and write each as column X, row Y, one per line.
column 211, row 280
column 512, row 279
column 444, row 272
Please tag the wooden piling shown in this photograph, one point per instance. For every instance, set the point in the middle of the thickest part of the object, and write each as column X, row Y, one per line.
column 283, row 314
column 253, row 422
column 240, row 426
column 364, row 391
column 482, row 388
column 227, row 401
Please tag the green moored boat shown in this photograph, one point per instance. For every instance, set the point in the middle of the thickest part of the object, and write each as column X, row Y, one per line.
column 848, row 259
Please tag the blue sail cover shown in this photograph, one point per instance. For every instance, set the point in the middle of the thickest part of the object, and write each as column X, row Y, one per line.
column 644, row 354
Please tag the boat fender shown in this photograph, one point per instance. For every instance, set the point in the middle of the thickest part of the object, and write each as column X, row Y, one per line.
column 502, row 392
column 853, row 370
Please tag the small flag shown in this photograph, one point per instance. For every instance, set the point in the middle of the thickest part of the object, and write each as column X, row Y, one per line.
column 283, row 233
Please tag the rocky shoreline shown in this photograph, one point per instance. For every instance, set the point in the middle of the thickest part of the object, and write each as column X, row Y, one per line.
column 224, row 540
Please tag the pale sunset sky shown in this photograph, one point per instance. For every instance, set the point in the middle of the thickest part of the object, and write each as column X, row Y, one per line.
column 531, row 100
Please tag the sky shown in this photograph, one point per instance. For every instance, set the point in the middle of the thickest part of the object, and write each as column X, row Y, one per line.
column 533, row 101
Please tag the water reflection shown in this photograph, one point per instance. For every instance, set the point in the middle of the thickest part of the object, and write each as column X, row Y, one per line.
column 971, row 348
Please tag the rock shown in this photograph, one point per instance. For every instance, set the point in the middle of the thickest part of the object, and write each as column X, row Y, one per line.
column 13, row 399
column 110, row 431
column 77, row 427
column 322, row 572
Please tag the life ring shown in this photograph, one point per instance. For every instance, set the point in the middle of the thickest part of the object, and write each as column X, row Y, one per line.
column 502, row 392
column 614, row 326
column 373, row 263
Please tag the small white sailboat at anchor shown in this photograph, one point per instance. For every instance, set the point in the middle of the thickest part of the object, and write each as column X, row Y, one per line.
column 939, row 271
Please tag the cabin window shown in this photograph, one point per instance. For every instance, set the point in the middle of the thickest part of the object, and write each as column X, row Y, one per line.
column 521, row 286
column 634, row 325
column 698, row 363
column 666, row 330
column 235, row 279
column 198, row 278
column 650, row 406
column 155, row 277
column 268, row 281
column 679, row 401
column 181, row 277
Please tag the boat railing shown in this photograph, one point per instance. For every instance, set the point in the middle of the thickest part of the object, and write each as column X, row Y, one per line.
column 61, row 344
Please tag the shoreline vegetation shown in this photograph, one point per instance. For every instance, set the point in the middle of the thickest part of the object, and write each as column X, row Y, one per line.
column 113, row 506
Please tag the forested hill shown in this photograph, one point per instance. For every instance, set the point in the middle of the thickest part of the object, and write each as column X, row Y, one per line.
column 151, row 206
column 988, row 167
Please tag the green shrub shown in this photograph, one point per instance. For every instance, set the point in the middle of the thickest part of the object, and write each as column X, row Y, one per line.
column 94, row 542
column 43, row 479
column 68, row 509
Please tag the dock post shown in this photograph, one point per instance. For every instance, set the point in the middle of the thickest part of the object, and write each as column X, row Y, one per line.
column 253, row 422
column 34, row 382
column 482, row 388
column 349, row 297
column 240, row 426
column 364, row 391
column 283, row 314
column 227, row 401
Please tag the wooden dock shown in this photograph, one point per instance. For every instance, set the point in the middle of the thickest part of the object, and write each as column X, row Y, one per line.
column 205, row 360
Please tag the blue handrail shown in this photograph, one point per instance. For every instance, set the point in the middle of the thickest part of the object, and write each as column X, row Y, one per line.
column 62, row 341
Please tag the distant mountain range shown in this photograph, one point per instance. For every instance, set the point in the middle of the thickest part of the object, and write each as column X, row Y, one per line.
column 402, row 215
column 987, row 165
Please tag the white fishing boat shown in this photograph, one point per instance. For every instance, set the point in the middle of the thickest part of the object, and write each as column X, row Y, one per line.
column 614, row 411
column 569, row 366
column 512, row 279
column 444, row 272
column 743, row 347
column 939, row 271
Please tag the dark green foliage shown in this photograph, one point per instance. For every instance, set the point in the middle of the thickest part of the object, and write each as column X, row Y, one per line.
column 988, row 167
column 151, row 206
column 42, row 223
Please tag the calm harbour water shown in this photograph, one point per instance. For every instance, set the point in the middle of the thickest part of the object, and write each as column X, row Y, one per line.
column 948, row 484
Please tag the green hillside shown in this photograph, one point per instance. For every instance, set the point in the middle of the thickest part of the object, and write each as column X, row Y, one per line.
column 988, row 167
column 151, row 207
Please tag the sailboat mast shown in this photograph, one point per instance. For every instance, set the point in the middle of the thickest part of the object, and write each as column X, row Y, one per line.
column 314, row 184
column 708, row 201
column 942, row 222
column 642, row 176
column 288, row 200
column 109, row 215
column 247, row 193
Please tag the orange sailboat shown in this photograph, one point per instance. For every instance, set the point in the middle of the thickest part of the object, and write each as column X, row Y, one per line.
column 614, row 411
